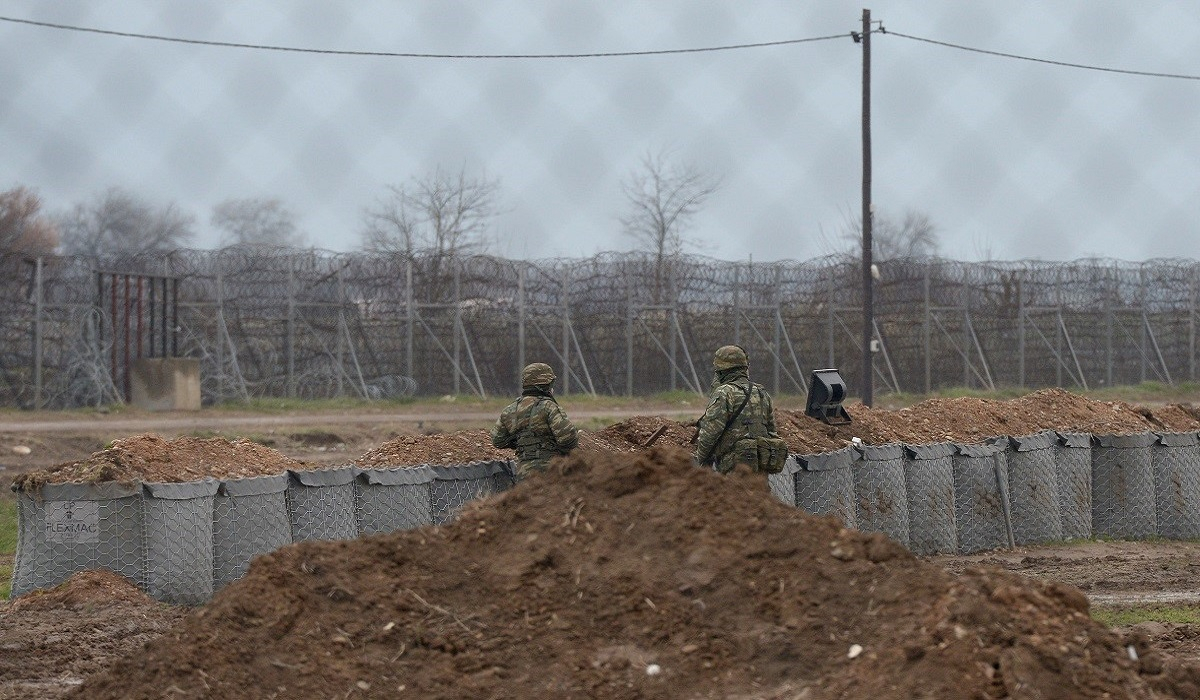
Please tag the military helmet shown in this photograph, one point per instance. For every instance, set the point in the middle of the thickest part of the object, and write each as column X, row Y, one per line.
column 730, row 356
column 537, row 374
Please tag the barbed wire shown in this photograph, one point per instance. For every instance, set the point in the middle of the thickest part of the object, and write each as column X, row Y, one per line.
column 280, row 322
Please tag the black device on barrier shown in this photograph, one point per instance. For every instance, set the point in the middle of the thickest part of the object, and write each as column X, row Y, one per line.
column 826, row 392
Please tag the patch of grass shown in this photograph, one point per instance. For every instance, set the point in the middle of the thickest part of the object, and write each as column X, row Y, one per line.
column 8, row 543
column 1125, row 616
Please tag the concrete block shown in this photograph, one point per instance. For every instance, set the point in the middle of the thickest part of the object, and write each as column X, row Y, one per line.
column 165, row 383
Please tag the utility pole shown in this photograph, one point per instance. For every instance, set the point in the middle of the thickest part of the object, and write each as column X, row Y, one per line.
column 868, row 377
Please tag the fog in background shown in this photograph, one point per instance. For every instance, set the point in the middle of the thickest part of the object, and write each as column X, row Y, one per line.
column 1008, row 158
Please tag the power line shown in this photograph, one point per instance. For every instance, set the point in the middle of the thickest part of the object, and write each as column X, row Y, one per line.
column 1042, row 60
column 398, row 54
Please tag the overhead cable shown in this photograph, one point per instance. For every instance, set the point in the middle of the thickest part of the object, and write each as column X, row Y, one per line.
column 407, row 54
column 1104, row 69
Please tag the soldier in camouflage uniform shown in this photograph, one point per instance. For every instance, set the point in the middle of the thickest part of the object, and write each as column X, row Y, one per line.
column 535, row 425
column 721, row 440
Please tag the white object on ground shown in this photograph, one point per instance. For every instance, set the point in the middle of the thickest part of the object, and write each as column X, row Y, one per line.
column 653, row 670
column 855, row 650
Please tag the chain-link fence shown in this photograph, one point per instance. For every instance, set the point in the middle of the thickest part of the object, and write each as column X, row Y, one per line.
column 279, row 322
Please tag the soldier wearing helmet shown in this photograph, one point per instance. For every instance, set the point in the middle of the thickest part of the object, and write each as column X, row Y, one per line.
column 535, row 425
column 739, row 412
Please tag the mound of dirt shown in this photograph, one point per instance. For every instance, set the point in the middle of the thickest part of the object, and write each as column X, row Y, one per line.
column 51, row 640
column 156, row 459
column 971, row 420
column 84, row 589
column 632, row 576
column 1179, row 418
column 460, row 447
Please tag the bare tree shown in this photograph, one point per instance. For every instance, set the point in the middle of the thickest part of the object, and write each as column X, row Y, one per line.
column 24, row 228
column 443, row 214
column 663, row 197
column 913, row 236
column 118, row 221
column 256, row 221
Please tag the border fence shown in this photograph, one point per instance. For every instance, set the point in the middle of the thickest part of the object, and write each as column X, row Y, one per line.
column 304, row 323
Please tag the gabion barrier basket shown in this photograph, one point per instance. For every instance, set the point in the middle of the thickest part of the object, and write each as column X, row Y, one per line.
column 63, row 529
column 393, row 499
column 454, row 486
column 881, row 503
column 982, row 509
column 1176, row 459
column 504, row 477
column 783, row 484
column 929, row 485
column 1033, row 488
column 1073, row 467
column 824, row 484
column 250, row 518
column 179, row 541
column 321, row 504
column 1123, row 486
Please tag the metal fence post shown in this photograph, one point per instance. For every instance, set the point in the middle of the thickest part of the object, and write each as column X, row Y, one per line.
column 1021, row 331
column 926, row 333
column 37, row 334
column 778, row 328
column 457, row 330
column 408, row 318
column 520, row 324
column 566, row 329
column 628, row 334
column 291, row 327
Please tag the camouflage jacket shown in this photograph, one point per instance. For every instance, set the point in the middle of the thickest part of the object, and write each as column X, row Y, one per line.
column 757, row 419
column 537, row 428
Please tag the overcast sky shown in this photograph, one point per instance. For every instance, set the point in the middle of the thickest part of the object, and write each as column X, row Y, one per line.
column 1009, row 158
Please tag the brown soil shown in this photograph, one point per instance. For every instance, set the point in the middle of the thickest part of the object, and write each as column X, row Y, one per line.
column 51, row 640
column 611, row 564
column 971, row 420
column 460, row 447
column 156, row 459
column 152, row 458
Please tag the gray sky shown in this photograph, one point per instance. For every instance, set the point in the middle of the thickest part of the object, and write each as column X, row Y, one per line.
column 1010, row 159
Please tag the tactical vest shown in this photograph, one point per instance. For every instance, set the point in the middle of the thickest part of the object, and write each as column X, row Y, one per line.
column 535, row 440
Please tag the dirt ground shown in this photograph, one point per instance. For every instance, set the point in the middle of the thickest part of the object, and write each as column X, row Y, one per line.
column 50, row 646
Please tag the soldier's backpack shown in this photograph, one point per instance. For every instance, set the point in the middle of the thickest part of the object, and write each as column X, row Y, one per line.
column 772, row 454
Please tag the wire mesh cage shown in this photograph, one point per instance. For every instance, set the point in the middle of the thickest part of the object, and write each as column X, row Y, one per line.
column 179, row 541
column 393, row 499
column 1073, row 468
column 824, row 484
column 1033, row 488
column 880, row 496
column 982, row 509
column 321, row 504
column 929, row 485
column 1176, row 459
column 250, row 518
column 1123, row 486
column 63, row 529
